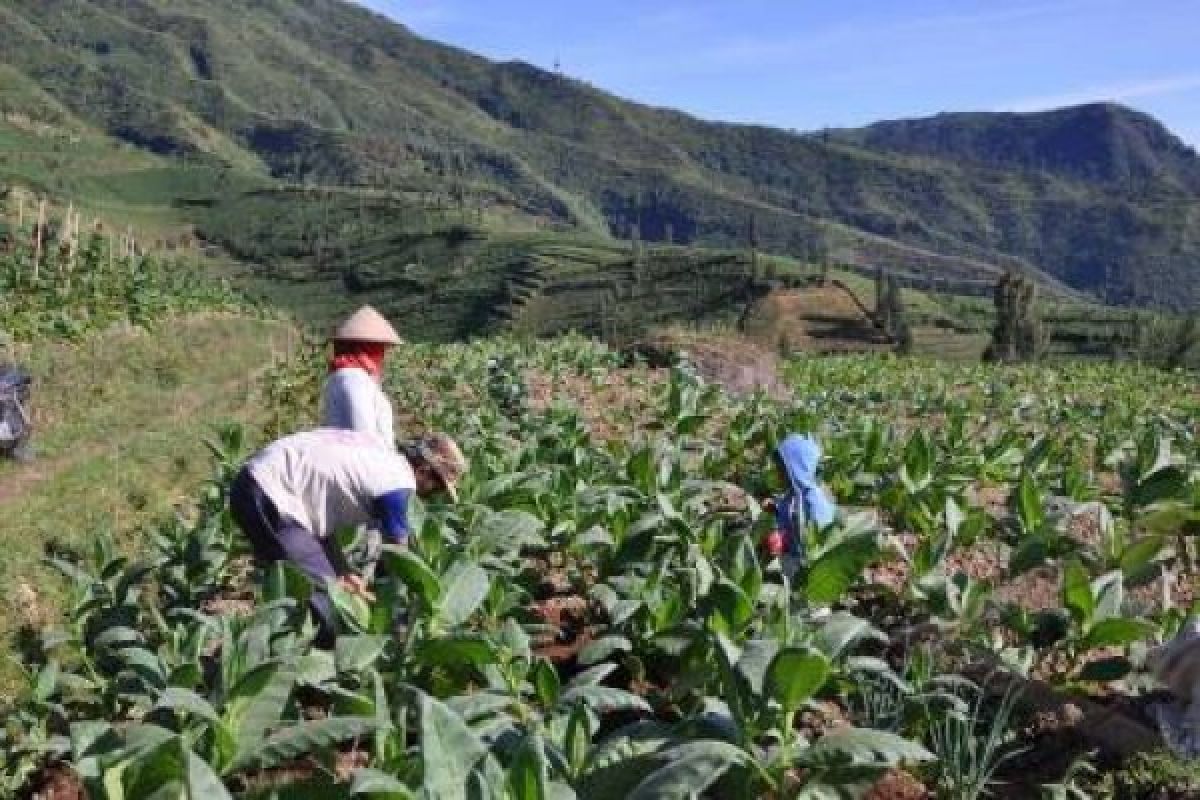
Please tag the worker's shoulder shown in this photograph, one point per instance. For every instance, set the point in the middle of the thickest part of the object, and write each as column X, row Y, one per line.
column 349, row 379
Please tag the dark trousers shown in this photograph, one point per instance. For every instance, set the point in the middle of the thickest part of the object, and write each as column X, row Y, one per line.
column 277, row 538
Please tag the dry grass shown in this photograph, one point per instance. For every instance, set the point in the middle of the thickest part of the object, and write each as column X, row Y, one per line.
column 821, row 319
column 120, row 422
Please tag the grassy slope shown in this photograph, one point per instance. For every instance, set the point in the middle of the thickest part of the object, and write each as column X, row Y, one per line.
column 120, row 417
column 324, row 91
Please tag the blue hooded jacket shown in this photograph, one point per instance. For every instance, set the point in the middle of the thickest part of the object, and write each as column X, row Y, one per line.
column 805, row 499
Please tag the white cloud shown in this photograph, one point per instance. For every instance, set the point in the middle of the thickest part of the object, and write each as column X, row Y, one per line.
column 1113, row 92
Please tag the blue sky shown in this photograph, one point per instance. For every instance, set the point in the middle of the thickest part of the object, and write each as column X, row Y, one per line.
column 807, row 64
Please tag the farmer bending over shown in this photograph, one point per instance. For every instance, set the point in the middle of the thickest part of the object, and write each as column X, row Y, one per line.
column 292, row 496
column 796, row 461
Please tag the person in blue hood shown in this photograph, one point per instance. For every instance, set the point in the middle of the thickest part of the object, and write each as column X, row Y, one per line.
column 797, row 458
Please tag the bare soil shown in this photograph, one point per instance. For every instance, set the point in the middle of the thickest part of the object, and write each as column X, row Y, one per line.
column 346, row 763
column 601, row 402
column 737, row 363
column 57, row 782
column 897, row 785
column 824, row 319
column 572, row 618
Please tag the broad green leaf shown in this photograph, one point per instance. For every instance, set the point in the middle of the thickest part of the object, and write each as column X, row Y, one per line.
column 918, row 458
column 527, row 775
column 690, row 769
column 1168, row 483
column 477, row 705
column 1109, row 591
column 89, row 734
column 352, row 609
column 285, row 580
column 456, row 650
column 732, row 610
column 1170, row 519
column 163, row 767
column 145, row 664
column 621, row 769
column 1118, row 632
column 1036, row 550
column 546, row 682
column 745, row 569
column 507, row 530
column 604, row 648
column 256, row 705
column 514, row 639
column 414, row 572
column 666, row 507
column 831, row 575
column 450, row 751
column 118, row 637
column 1140, row 555
column 863, row 747
column 640, row 469
column 1029, row 509
column 953, row 517
column 308, row 736
column 795, row 675
column 379, row 785
column 841, row 630
column 201, row 781
column 594, row 537
column 356, row 653
column 757, row 657
column 47, row 682
column 466, row 586
column 578, row 739
column 1077, row 593
column 188, row 702
column 316, row 667
column 603, row 699
column 592, row 676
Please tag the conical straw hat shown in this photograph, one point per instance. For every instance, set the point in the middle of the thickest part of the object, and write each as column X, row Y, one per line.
column 367, row 325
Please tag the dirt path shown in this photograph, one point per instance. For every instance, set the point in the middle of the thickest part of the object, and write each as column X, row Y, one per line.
column 119, row 423
column 17, row 480
column 20, row 479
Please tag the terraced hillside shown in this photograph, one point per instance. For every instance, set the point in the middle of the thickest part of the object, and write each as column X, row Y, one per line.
column 323, row 92
column 823, row 319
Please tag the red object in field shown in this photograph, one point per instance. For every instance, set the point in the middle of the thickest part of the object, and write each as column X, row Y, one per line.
column 775, row 542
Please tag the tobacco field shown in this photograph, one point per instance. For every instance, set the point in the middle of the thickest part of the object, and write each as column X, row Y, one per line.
column 596, row 618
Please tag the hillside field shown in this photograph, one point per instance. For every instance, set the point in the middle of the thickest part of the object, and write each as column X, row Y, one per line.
column 1099, row 198
column 620, row 312
column 598, row 601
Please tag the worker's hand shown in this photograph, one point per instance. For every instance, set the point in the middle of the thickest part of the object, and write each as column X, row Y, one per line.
column 768, row 504
column 356, row 585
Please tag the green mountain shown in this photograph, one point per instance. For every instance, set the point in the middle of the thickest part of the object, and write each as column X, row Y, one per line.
column 1099, row 198
column 1101, row 144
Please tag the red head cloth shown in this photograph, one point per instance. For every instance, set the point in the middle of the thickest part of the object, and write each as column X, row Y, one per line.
column 363, row 355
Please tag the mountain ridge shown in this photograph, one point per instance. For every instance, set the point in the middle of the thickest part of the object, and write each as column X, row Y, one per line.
column 1100, row 197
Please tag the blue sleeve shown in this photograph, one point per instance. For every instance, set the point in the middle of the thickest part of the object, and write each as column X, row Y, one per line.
column 820, row 507
column 392, row 511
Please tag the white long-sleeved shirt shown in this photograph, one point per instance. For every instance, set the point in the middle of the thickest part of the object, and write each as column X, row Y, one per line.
column 330, row 478
column 353, row 400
